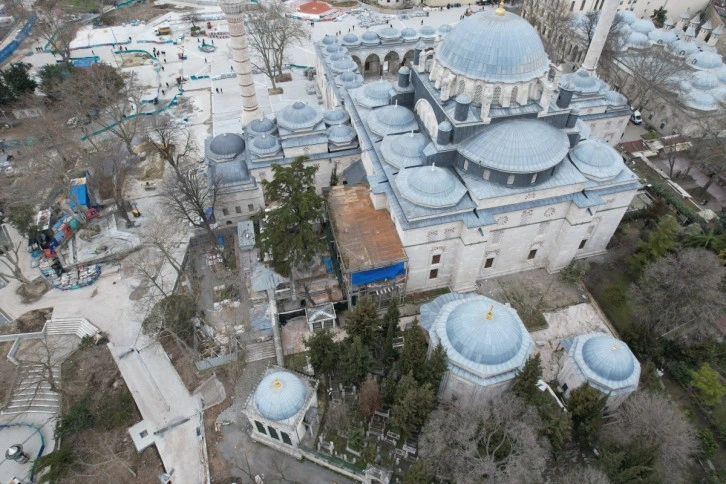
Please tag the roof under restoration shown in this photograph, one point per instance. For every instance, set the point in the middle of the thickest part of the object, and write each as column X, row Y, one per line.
column 366, row 237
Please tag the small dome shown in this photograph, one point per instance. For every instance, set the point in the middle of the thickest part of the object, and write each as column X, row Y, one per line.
column 582, row 82
column 337, row 57
column 430, row 186
column 335, row 49
column 719, row 94
column 427, row 32
column 330, row 40
column 721, row 73
column 405, row 150
column 226, row 146
column 513, row 53
column 349, row 80
column 261, row 126
column 615, row 98
column 404, row 70
column 392, row 120
column 299, row 116
column 638, row 40
column 344, row 65
column 643, row 26
column 705, row 60
column 699, row 100
column 704, row 80
column 409, row 34
column 264, row 145
column 683, row 48
column 370, row 37
column 662, row 36
column 608, row 358
column 627, row 17
column 517, row 146
column 420, row 45
column 597, row 159
column 351, row 39
column 335, row 116
column 374, row 94
column 341, row 134
column 481, row 340
column 445, row 29
column 389, row 33
column 280, row 395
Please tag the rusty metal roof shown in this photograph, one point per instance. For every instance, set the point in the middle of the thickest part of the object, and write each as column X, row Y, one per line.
column 366, row 237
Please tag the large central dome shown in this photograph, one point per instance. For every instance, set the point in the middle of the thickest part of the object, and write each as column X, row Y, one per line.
column 494, row 48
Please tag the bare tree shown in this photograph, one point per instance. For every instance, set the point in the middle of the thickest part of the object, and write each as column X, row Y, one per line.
column 655, row 421
column 57, row 33
column 582, row 474
column 679, row 295
column 370, row 397
column 552, row 22
column 147, row 264
column 165, row 234
column 475, row 440
column 113, row 166
column 173, row 142
column 338, row 418
column 9, row 258
column 270, row 34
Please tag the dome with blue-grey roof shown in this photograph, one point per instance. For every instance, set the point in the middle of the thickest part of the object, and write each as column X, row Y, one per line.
column 374, row 94
column 389, row 34
column 430, row 186
column 344, row 65
column 517, row 146
column 369, row 37
column 638, row 40
column 280, row 395
column 581, row 81
column 335, row 116
column 349, row 80
column 225, row 147
column 351, row 39
column 409, row 34
column 392, row 120
column 445, row 29
column 261, row 126
column 662, row 36
column 643, row 26
column 512, row 52
column 683, row 48
column 627, row 17
column 721, row 73
column 700, row 100
column 615, row 98
column 330, row 40
column 299, row 115
column 427, row 32
column 596, row 159
column 335, row 49
column 341, row 134
column 337, row 57
column 704, row 80
column 705, row 60
column 608, row 357
column 405, row 150
column 264, row 145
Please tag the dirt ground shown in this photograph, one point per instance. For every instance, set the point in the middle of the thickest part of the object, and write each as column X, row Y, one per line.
column 104, row 452
column 141, row 11
column 30, row 322
column 7, row 372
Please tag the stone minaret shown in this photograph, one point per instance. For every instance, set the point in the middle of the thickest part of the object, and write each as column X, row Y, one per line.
column 234, row 12
column 607, row 15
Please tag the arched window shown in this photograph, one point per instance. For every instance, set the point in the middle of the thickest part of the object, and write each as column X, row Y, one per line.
column 462, row 85
column 486, row 174
column 477, row 93
column 515, row 92
column 497, row 99
column 428, row 117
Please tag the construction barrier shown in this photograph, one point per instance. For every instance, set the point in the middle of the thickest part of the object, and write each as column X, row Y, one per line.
column 9, row 49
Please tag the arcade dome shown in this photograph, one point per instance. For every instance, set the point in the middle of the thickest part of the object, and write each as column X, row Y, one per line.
column 389, row 34
column 392, row 120
column 430, row 186
column 409, row 34
column 705, row 60
column 374, row 94
column 341, row 134
column 513, row 53
column 299, row 115
column 280, row 395
column 404, row 151
column 335, row 116
column 369, row 37
column 351, row 40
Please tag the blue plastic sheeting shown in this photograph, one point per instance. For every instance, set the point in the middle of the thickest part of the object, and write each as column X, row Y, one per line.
column 374, row 275
column 79, row 193
column 84, row 61
column 328, row 264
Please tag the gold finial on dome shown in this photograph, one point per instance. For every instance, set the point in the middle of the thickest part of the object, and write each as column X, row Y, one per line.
column 277, row 383
column 615, row 347
column 500, row 11
column 490, row 313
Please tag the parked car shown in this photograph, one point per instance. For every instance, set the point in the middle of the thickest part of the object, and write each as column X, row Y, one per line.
column 635, row 117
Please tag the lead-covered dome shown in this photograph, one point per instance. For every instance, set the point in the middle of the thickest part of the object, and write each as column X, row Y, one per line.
column 683, row 48
column 608, row 358
column 517, row 146
column 430, row 186
column 351, row 40
column 344, row 65
column 704, row 80
column 370, row 38
column 226, row 146
column 662, row 36
column 409, row 34
column 644, row 26
column 389, row 34
column 374, row 94
column 280, row 395
column 261, row 126
column 699, row 100
column 705, row 60
column 349, row 80
column 494, row 48
column 581, row 81
column 392, row 120
column 597, row 159
column 264, row 145
column 299, row 115
column 335, row 116
column 341, row 134
column 405, row 150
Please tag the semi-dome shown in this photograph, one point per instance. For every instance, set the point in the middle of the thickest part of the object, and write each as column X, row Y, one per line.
column 643, row 26
column 699, row 100
column 226, row 146
column 392, row 120
column 662, row 36
column 264, row 145
column 427, row 32
column 341, row 134
column 405, row 150
column 513, row 50
column 409, row 34
column 389, row 34
column 581, row 81
column 349, row 80
column 615, row 98
column 299, row 115
column 704, row 80
column 430, row 186
column 375, row 94
column 351, row 40
column 638, row 40
column 344, row 65
column 369, row 37
column 608, row 358
column 705, row 60
column 683, row 48
column 261, row 126
column 280, row 395
column 597, row 159
column 479, row 339
column 335, row 116
column 517, row 146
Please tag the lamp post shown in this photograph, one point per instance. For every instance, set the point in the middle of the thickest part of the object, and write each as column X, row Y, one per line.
column 543, row 386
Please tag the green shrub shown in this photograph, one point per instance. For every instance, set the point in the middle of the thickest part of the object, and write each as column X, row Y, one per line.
column 614, row 295
column 707, row 444
column 78, row 418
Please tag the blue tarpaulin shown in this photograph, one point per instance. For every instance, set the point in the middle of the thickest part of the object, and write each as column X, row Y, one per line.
column 80, row 194
column 328, row 264
column 379, row 274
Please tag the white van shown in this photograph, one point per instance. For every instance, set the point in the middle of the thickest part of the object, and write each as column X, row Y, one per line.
column 635, row 117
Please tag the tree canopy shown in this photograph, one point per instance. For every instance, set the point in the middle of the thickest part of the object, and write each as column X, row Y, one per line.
column 287, row 234
column 324, row 352
column 586, row 406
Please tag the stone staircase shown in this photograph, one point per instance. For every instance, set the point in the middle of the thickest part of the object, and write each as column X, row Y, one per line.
column 259, row 351
column 32, row 391
column 76, row 326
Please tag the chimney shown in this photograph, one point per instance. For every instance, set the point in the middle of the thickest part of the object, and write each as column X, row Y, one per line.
column 403, row 77
column 565, row 96
column 461, row 111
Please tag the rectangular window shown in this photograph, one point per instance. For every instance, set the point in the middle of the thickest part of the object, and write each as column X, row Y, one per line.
column 436, row 259
column 433, row 274
column 273, row 433
column 225, row 212
column 466, row 165
column 582, row 244
column 534, row 178
column 572, row 7
column 486, row 174
column 582, row 6
column 510, row 180
column 489, row 263
column 532, row 254
column 250, row 208
column 238, row 209
column 260, row 427
column 286, row 438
